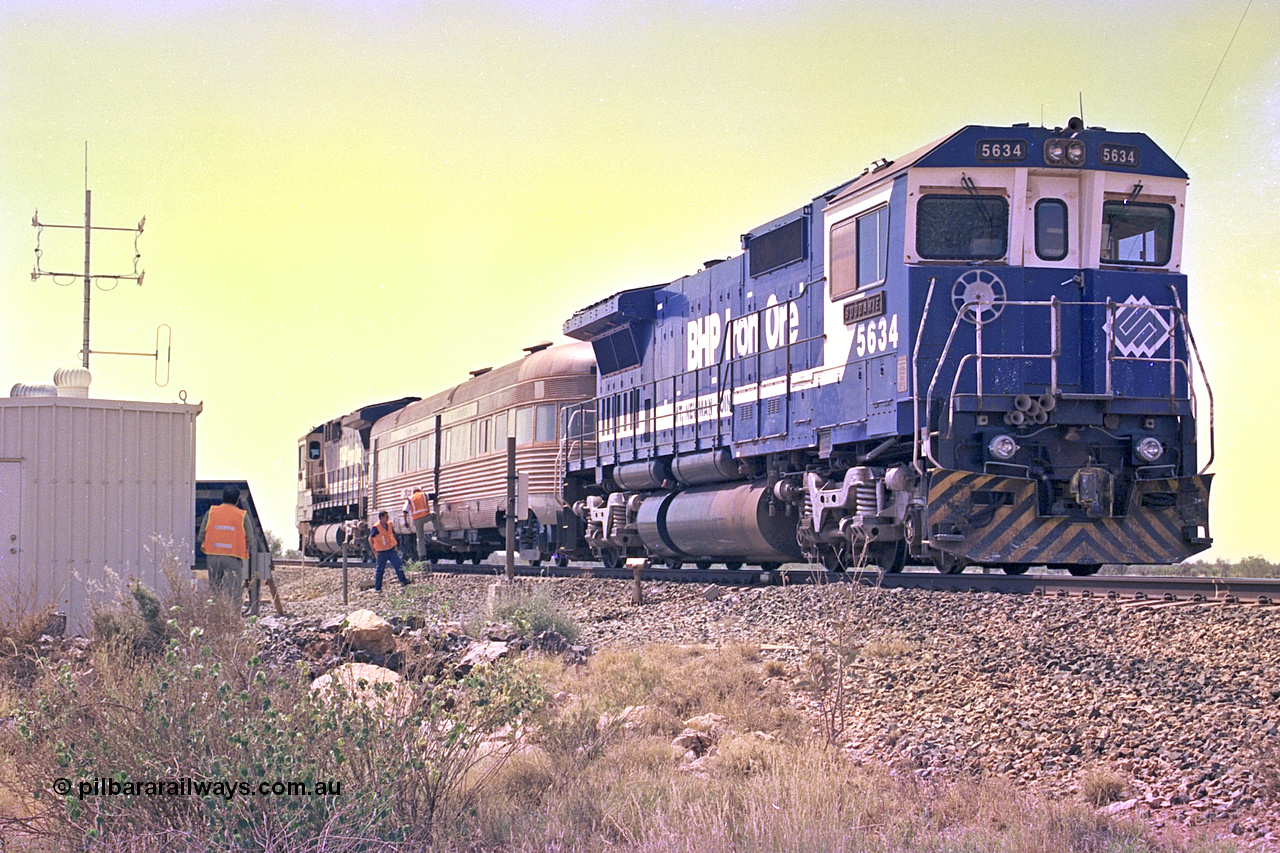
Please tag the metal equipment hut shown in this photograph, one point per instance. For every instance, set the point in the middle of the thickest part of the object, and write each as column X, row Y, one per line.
column 93, row 494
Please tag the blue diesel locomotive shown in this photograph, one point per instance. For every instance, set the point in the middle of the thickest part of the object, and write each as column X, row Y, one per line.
column 976, row 354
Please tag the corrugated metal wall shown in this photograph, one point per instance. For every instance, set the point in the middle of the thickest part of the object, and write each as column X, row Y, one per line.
column 107, row 488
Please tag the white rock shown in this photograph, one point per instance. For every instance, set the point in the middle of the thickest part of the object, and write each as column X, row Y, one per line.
column 369, row 632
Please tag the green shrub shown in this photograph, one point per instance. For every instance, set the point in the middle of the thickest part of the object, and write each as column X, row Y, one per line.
column 533, row 613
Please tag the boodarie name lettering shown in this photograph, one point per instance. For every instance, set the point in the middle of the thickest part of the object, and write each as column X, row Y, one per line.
column 227, row 789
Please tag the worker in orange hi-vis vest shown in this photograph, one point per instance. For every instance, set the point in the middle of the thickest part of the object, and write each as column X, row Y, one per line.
column 417, row 512
column 383, row 540
column 224, row 536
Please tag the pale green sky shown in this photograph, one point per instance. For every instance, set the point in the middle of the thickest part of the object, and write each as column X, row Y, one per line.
column 351, row 202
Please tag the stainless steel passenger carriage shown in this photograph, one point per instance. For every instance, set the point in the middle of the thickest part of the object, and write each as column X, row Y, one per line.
column 453, row 445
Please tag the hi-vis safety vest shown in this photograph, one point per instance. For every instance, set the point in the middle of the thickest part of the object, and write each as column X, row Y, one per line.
column 418, row 506
column 384, row 538
column 224, row 532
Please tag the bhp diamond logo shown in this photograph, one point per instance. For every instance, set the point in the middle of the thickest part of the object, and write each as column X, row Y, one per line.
column 1140, row 330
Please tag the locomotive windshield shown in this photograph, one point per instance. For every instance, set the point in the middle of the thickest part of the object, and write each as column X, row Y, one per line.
column 962, row 227
column 1136, row 233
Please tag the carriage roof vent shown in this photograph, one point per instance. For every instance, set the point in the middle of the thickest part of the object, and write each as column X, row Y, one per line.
column 480, row 371
column 537, row 347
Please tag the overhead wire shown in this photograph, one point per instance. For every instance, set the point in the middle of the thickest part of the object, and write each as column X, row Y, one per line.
column 1212, row 79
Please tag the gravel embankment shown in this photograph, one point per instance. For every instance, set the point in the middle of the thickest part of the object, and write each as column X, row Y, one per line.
column 1182, row 703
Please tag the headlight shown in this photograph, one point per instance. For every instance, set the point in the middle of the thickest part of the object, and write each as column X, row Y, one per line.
column 1149, row 449
column 1064, row 152
column 1003, row 447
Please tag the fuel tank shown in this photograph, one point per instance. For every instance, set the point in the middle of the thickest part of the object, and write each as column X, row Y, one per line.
column 730, row 521
column 328, row 539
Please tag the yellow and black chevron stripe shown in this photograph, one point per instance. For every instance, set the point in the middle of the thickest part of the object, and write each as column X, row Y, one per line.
column 1000, row 521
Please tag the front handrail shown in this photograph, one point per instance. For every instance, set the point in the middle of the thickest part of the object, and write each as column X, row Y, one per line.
column 1176, row 318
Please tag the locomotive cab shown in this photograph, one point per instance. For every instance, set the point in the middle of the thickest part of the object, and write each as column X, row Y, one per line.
column 1052, row 368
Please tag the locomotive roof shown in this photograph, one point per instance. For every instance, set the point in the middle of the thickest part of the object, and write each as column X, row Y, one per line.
column 559, row 360
column 959, row 150
column 365, row 416
column 956, row 150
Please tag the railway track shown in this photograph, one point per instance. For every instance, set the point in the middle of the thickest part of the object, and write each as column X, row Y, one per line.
column 1154, row 590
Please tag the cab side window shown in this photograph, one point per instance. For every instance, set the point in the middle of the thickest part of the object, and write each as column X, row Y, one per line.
column 859, row 252
column 1136, row 233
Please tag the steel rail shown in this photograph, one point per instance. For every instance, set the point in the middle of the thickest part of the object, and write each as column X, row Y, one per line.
column 1152, row 588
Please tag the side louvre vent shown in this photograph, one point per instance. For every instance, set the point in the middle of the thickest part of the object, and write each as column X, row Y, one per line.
column 777, row 248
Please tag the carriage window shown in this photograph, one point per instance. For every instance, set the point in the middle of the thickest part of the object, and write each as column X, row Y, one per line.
column 545, row 427
column 1051, row 229
column 427, row 451
column 524, row 425
column 962, row 227
column 1138, row 233
column 412, row 462
column 582, row 422
column 313, row 450
column 484, row 436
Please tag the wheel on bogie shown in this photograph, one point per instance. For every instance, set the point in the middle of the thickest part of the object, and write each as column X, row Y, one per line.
column 673, row 563
column 703, row 565
column 1014, row 568
column 611, row 558
column 560, row 561
column 889, row 557
column 477, row 559
column 733, row 565
column 1084, row 569
column 947, row 563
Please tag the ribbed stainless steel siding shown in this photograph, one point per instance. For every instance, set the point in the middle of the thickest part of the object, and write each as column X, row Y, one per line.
column 472, row 491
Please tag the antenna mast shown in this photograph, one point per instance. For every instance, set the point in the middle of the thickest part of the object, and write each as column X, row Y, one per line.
column 88, row 278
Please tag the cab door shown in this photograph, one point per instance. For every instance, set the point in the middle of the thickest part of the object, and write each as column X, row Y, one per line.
column 1052, row 255
column 1053, row 221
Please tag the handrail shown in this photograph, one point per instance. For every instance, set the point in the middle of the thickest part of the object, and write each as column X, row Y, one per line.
column 918, row 436
column 1022, row 357
column 1176, row 316
column 1204, row 377
column 724, row 367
